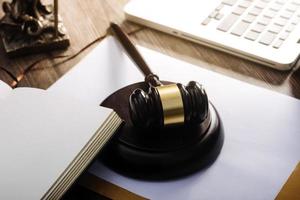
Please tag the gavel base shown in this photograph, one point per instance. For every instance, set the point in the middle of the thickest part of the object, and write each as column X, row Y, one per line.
column 162, row 153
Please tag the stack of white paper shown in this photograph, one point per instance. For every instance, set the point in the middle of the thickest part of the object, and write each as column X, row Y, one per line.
column 47, row 140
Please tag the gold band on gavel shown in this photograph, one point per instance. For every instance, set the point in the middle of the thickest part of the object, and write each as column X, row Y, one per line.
column 172, row 104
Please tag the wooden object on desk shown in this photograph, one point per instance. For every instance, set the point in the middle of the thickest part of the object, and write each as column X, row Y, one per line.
column 107, row 189
column 290, row 190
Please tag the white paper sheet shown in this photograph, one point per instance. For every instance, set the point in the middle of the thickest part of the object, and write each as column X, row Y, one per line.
column 42, row 135
column 262, row 129
column 4, row 90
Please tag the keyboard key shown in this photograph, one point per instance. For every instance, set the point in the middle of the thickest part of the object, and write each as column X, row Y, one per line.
column 219, row 16
column 261, row 4
column 290, row 28
column 292, row 8
column 229, row 2
column 276, row 6
column 251, row 35
column 249, row 18
column 282, row 2
column 270, row 13
column 238, row 10
column 258, row 28
column 264, row 20
column 286, row 15
column 296, row 20
column 255, row 11
column 278, row 44
column 206, row 21
column 275, row 28
column 219, row 7
column 240, row 28
column 213, row 14
column 267, row 38
column 284, row 36
column 297, row 3
column 281, row 21
column 228, row 22
column 245, row 4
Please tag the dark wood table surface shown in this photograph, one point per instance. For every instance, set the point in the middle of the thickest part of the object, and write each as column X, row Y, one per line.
column 88, row 20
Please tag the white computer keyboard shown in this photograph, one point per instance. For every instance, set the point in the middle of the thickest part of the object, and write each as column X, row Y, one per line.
column 268, row 22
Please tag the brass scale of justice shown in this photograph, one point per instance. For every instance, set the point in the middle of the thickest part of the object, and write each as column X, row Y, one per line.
column 170, row 130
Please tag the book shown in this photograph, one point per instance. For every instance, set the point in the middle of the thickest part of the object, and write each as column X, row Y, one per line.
column 47, row 140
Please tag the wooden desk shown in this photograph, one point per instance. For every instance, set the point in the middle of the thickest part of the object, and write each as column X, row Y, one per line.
column 88, row 20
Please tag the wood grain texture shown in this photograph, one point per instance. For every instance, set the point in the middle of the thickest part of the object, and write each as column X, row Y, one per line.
column 87, row 20
column 106, row 189
column 290, row 190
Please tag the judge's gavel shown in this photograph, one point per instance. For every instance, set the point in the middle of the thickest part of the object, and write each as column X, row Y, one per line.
column 162, row 105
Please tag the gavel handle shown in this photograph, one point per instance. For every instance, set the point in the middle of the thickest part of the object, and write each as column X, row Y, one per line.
column 135, row 55
column 56, row 17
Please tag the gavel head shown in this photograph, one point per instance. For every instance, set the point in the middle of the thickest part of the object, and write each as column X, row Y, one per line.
column 169, row 105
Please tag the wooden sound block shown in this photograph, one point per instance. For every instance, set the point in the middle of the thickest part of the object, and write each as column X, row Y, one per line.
column 160, row 153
